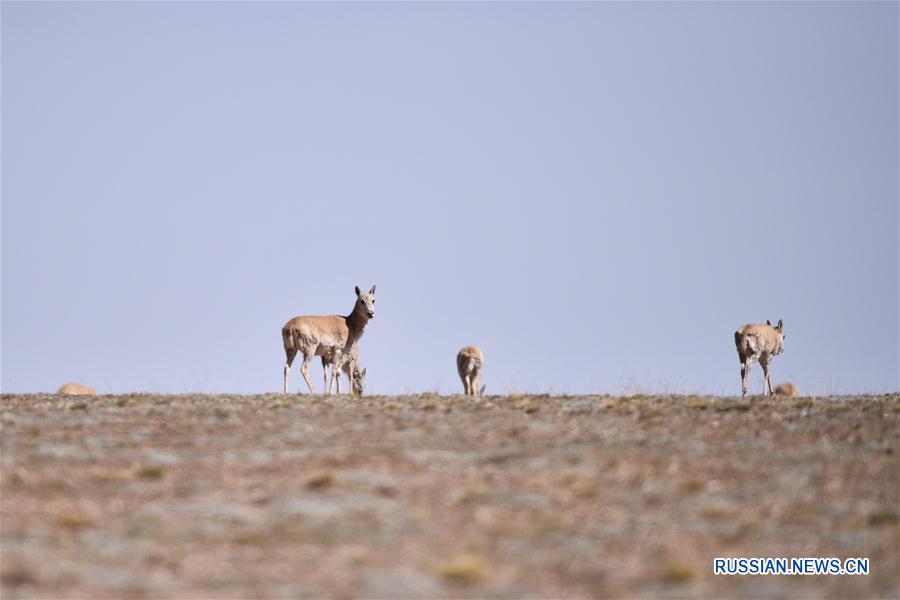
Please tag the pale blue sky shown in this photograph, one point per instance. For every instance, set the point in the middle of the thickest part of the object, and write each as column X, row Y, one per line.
column 597, row 194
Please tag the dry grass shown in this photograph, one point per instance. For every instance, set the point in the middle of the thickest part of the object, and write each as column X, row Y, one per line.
column 150, row 472
column 698, row 403
column 320, row 480
column 884, row 516
column 465, row 569
column 427, row 496
column 676, row 572
column 529, row 406
column 74, row 520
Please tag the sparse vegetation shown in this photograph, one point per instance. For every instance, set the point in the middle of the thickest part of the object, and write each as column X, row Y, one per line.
column 884, row 516
column 698, row 403
column 717, row 511
column 442, row 496
column 529, row 406
column 104, row 474
column 74, row 520
column 738, row 405
column 149, row 472
column 320, row 480
column 690, row 486
column 676, row 572
column 465, row 569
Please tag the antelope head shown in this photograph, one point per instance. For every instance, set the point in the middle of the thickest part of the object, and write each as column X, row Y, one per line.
column 779, row 330
column 359, row 381
column 365, row 303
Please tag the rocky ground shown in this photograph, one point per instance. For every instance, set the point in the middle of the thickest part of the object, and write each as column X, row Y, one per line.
column 443, row 497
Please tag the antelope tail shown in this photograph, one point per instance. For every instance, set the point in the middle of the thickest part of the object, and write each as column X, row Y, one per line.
column 287, row 336
column 746, row 344
column 461, row 363
column 467, row 364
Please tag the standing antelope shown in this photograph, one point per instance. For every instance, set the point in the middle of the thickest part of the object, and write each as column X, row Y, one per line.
column 758, row 342
column 469, row 364
column 329, row 336
column 350, row 366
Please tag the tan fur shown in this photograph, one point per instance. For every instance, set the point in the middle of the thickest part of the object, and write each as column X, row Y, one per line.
column 357, row 380
column 787, row 389
column 757, row 342
column 350, row 366
column 469, row 365
column 76, row 389
column 328, row 336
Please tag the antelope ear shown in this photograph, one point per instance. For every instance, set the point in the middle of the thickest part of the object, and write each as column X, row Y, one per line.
column 357, row 290
column 372, row 291
column 780, row 326
column 768, row 322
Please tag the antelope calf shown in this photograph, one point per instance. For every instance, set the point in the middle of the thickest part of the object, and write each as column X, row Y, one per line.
column 329, row 336
column 469, row 364
column 357, row 381
column 76, row 389
column 758, row 342
column 350, row 366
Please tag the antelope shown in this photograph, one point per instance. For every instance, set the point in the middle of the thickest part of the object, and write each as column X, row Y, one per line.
column 76, row 389
column 787, row 389
column 758, row 342
column 329, row 336
column 350, row 366
column 357, row 381
column 469, row 364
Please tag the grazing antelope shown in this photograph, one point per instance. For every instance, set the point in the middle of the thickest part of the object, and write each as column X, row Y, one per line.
column 358, row 381
column 787, row 389
column 350, row 366
column 758, row 342
column 76, row 389
column 469, row 364
column 329, row 336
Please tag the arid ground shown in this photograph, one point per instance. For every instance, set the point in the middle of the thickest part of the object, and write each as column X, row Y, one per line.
column 146, row 496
